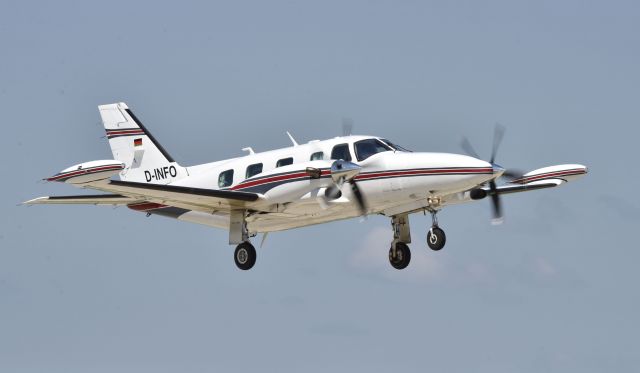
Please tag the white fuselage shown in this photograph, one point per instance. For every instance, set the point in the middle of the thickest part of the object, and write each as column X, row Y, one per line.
column 391, row 181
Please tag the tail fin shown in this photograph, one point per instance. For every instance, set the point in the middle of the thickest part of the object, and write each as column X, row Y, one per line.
column 131, row 143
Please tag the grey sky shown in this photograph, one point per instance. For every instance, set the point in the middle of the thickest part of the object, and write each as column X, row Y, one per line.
column 100, row 289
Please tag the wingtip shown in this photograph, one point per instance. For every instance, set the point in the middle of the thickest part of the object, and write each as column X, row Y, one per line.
column 34, row 201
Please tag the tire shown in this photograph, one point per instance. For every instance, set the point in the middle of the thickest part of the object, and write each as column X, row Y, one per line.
column 436, row 238
column 245, row 256
column 402, row 258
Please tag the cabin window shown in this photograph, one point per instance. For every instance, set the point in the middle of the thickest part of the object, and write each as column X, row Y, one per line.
column 284, row 162
column 225, row 179
column 341, row 151
column 366, row 148
column 317, row 156
column 253, row 169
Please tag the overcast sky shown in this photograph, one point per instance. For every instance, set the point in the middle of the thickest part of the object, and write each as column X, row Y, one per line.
column 97, row 289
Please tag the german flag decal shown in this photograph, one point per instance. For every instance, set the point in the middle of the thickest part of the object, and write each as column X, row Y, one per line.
column 137, row 142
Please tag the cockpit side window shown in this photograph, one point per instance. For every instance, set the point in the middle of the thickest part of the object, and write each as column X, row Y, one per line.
column 367, row 148
column 341, row 151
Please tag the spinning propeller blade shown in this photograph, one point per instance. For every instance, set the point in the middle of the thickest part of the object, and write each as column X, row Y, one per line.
column 498, row 134
column 341, row 172
column 362, row 205
column 347, row 126
column 468, row 148
column 496, row 203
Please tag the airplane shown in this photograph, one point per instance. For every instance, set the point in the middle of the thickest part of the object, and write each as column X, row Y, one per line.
column 304, row 184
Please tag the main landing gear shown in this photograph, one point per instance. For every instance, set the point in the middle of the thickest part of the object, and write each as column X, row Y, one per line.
column 245, row 253
column 399, row 253
column 245, row 256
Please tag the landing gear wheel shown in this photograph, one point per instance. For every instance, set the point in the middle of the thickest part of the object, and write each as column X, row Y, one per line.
column 402, row 256
column 245, row 256
column 436, row 238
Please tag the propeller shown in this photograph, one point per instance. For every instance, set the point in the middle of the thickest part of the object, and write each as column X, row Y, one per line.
column 496, row 203
column 345, row 171
column 347, row 126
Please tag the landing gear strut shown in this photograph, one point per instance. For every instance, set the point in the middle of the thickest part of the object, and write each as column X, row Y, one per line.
column 245, row 253
column 435, row 236
column 399, row 253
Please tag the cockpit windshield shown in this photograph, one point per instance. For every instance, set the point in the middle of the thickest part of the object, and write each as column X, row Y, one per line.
column 394, row 146
column 366, row 148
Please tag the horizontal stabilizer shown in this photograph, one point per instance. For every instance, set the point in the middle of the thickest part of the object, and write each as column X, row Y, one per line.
column 88, row 172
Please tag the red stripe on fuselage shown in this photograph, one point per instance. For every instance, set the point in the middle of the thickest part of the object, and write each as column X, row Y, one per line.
column 367, row 176
column 432, row 171
column 270, row 180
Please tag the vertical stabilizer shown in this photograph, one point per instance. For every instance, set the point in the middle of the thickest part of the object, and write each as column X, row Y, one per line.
column 131, row 143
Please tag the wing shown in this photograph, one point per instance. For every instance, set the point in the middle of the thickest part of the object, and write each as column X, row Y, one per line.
column 196, row 199
column 91, row 199
column 547, row 177
column 508, row 189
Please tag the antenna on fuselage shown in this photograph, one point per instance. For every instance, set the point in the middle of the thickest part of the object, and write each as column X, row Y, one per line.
column 295, row 143
column 248, row 149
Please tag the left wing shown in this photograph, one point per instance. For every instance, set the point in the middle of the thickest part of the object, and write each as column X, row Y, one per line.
column 197, row 199
column 90, row 199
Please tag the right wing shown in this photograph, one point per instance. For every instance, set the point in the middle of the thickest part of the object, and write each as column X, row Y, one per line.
column 508, row 189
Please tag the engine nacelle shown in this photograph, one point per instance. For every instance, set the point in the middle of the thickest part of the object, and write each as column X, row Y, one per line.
column 476, row 194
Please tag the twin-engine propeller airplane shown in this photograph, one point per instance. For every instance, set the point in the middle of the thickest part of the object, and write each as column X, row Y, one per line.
column 301, row 185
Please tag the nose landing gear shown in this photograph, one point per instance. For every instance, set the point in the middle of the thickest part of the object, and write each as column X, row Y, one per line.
column 435, row 236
